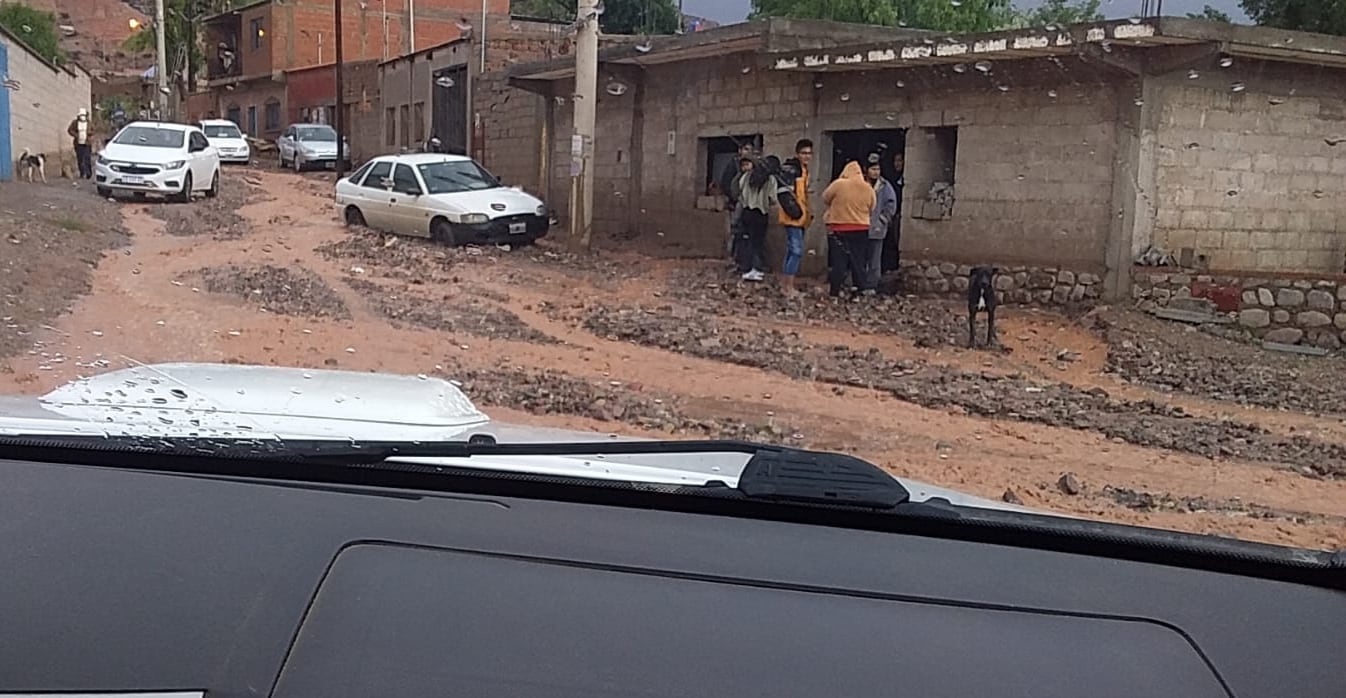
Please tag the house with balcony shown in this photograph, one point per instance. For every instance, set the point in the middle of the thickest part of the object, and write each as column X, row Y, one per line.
column 254, row 48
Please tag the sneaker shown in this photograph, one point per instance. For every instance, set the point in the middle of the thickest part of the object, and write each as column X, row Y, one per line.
column 754, row 275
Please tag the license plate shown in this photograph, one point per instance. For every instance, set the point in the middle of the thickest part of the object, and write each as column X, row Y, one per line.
column 518, row 228
column 131, row 179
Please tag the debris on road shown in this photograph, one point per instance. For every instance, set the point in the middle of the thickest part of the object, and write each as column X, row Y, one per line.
column 294, row 291
column 217, row 217
column 1143, row 423
column 459, row 312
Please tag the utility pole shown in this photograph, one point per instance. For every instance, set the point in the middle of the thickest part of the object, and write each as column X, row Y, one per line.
column 161, row 59
column 586, row 111
column 340, row 92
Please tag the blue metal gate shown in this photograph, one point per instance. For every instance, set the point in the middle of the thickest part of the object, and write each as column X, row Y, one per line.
column 6, row 147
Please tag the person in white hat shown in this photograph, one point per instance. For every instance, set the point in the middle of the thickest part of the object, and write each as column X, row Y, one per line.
column 82, row 132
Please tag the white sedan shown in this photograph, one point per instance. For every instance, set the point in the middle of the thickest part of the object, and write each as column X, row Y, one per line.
column 447, row 198
column 225, row 136
column 151, row 157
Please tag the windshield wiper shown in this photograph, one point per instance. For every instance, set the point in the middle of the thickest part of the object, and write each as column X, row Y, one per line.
column 777, row 473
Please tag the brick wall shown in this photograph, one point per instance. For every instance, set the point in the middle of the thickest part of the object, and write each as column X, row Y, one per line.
column 361, row 83
column 255, row 94
column 372, row 30
column 1246, row 177
column 41, row 109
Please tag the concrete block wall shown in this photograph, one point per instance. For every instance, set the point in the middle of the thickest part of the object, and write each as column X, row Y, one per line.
column 42, row 108
column 255, row 94
column 1247, row 176
column 511, row 121
column 1034, row 162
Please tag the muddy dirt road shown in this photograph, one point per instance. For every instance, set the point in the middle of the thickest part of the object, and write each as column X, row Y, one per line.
column 619, row 343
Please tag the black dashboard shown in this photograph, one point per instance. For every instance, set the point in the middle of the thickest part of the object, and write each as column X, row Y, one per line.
column 118, row 580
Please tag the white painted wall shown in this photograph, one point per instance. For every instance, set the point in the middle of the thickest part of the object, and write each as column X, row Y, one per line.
column 42, row 107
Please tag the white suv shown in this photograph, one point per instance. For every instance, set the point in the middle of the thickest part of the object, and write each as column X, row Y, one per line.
column 151, row 157
column 225, row 136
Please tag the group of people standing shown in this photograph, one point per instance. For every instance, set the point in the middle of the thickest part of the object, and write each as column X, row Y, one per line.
column 861, row 213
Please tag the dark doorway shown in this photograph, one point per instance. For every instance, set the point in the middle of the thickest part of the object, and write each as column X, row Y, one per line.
column 449, row 108
column 858, row 146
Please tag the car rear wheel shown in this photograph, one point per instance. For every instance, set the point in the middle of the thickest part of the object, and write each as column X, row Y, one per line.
column 214, row 189
column 441, row 231
column 185, row 196
column 355, row 218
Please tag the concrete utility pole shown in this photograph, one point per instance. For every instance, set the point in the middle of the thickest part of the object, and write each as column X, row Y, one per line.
column 586, row 111
column 161, row 59
column 340, row 92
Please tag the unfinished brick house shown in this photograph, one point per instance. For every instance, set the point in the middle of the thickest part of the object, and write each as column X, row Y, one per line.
column 1060, row 155
column 253, row 47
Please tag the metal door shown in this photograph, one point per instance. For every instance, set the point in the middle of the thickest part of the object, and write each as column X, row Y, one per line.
column 449, row 106
column 6, row 148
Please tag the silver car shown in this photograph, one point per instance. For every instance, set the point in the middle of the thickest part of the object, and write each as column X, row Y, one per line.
column 310, row 145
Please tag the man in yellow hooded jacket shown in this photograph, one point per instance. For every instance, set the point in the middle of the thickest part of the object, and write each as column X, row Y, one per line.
column 850, row 202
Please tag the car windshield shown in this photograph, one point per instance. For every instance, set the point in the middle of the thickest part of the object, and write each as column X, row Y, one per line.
column 316, row 133
column 1067, row 255
column 221, row 131
column 151, row 137
column 454, row 176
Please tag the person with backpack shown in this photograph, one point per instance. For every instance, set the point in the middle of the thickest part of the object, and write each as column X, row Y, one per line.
column 758, row 187
column 797, row 174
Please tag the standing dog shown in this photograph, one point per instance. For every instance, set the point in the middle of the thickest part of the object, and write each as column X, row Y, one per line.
column 30, row 163
column 981, row 296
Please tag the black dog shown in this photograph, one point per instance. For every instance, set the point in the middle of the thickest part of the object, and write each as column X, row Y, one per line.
column 981, row 296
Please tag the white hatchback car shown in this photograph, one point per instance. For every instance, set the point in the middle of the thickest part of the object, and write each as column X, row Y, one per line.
column 152, row 157
column 225, row 136
column 447, row 198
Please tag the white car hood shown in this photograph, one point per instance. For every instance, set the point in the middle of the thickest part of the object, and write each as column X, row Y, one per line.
column 122, row 152
column 242, row 401
column 497, row 202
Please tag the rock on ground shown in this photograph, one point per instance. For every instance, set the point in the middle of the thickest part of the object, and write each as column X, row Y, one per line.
column 285, row 291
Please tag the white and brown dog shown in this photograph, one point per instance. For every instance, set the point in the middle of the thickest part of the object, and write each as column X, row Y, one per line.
column 31, row 163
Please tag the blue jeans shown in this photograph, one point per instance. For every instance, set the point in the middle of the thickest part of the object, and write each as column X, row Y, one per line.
column 794, row 250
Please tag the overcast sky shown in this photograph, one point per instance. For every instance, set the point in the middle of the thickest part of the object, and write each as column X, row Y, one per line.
column 736, row 10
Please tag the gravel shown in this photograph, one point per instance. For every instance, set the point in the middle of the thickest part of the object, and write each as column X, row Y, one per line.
column 217, row 217
column 1143, row 423
column 400, row 257
column 926, row 322
column 284, row 291
column 1184, row 359
column 552, row 392
column 461, row 312
column 1148, row 502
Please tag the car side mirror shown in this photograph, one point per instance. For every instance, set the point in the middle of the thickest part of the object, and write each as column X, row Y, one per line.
column 386, row 182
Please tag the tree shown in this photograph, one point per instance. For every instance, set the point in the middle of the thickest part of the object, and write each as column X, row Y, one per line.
column 37, row 30
column 1061, row 12
column 619, row 16
column 941, row 15
column 182, row 37
column 1211, row 14
column 1322, row 16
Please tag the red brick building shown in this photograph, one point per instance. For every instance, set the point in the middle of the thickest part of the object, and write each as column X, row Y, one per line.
column 255, row 48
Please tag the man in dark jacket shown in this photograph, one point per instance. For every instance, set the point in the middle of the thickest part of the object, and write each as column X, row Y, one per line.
column 892, row 251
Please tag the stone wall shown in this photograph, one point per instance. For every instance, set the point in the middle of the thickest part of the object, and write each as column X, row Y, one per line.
column 1022, row 285
column 1296, row 309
